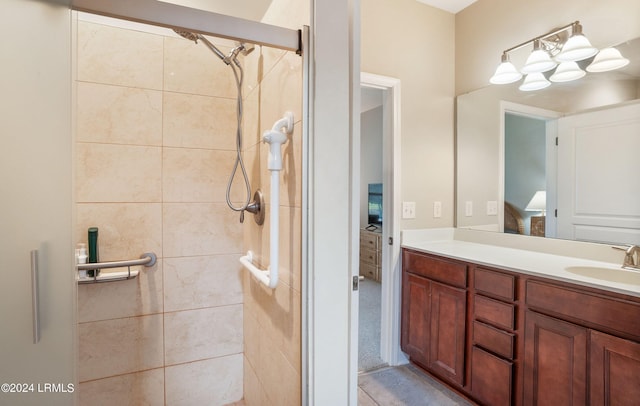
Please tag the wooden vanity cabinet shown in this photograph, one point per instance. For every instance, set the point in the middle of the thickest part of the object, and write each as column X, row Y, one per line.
column 434, row 303
column 505, row 338
column 581, row 346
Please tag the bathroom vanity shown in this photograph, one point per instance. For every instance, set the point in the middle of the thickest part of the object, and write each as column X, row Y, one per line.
column 507, row 326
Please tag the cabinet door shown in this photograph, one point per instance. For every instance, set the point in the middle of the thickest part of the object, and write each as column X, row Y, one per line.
column 447, row 338
column 416, row 308
column 491, row 378
column 614, row 370
column 555, row 361
column 36, row 203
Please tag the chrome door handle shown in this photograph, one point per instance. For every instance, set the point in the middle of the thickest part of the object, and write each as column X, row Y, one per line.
column 34, row 296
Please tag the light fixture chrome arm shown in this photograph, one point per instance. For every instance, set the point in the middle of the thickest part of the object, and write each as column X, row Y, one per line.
column 574, row 25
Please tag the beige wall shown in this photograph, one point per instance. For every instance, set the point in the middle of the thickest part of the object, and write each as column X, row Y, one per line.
column 155, row 125
column 272, row 318
column 413, row 42
column 488, row 27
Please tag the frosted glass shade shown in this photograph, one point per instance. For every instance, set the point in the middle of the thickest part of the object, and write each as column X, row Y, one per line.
column 566, row 72
column 539, row 61
column 534, row 81
column 576, row 48
column 606, row 60
column 505, row 73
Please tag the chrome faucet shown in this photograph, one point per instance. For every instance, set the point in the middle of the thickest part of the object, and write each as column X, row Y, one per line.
column 630, row 262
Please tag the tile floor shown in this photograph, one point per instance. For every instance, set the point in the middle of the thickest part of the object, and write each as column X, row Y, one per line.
column 404, row 385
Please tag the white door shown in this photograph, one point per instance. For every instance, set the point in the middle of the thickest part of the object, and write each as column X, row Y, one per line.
column 36, row 359
column 598, row 166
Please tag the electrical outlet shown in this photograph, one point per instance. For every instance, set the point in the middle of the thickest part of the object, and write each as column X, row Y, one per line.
column 408, row 210
column 468, row 208
column 437, row 209
column 492, row 208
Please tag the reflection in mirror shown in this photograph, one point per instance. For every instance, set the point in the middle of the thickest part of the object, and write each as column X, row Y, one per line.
column 498, row 159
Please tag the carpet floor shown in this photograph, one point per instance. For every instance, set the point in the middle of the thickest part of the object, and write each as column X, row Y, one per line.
column 369, row 326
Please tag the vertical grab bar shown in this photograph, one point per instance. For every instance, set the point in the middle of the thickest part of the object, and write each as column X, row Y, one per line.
column 34, row 296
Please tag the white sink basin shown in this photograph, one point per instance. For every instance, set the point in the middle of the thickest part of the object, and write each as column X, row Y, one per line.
column 618, row 275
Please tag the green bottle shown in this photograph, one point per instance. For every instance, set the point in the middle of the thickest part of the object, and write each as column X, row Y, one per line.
column 93, row 251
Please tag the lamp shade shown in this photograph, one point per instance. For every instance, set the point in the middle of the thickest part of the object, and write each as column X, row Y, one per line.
column 505, row 73
column 576, row 48
column 606, row 60
column 566, row 72
column 539, row 60
column 538, row 202
column 534, row 81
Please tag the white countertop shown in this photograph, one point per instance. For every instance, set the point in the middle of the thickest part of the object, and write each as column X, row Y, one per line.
column 524, row 261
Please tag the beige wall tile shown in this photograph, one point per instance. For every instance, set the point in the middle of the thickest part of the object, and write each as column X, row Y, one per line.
column 118, row 173
column 118, row 115
column 118, row 56
column 196, row 282
column 125, row 230
column 199, row 175
column 113, row 347
column 281, row 90
column 280, row 380
column 193, row 68
column 137, row 389
column 252, row 133
column 192, row 335
column 200, row 229
column 193, row 121
column 213, row 382
column 134, row 297
column 254, row 393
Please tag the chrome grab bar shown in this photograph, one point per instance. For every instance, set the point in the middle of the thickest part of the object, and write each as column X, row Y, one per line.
column 147, row 259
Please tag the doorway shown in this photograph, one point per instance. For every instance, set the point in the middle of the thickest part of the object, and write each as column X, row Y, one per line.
column 379, row 300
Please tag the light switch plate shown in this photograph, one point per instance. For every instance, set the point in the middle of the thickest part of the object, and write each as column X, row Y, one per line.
column 408, row 210
column 492, row 208
column 437, row 209
column 468, row 208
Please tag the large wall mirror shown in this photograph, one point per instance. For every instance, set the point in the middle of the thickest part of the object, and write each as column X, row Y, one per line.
column 512, row 177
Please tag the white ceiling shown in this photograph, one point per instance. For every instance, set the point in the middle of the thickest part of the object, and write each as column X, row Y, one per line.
column 452, row 6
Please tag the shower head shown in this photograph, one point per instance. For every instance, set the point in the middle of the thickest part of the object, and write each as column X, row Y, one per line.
column 187, row 35
column 195, row 37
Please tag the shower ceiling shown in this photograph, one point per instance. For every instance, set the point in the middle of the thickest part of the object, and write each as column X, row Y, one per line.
column 253, row 10
column 452, row 6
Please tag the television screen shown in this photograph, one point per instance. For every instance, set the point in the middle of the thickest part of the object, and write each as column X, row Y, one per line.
column 375, row 203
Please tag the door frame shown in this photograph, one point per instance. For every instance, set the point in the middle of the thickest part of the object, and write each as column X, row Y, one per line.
column 391, row 141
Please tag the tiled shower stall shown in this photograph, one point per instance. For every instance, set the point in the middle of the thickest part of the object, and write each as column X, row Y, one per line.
column 155, row 145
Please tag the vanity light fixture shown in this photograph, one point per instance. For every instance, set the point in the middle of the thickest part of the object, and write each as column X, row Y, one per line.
column 606, row 60
column 539, row 60
column 559, row 49
column 534, row 81
column 566, row 72
column 577, row 47
column 506, row 72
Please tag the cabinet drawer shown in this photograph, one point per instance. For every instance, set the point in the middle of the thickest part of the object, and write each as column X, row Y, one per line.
column 491, row 378
column 369, row 257
column 369, row 271
column 369, row 240
column 449, row 272
column 591, row 309
column 493, row 339
column 494, row 312
column 496, row 284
